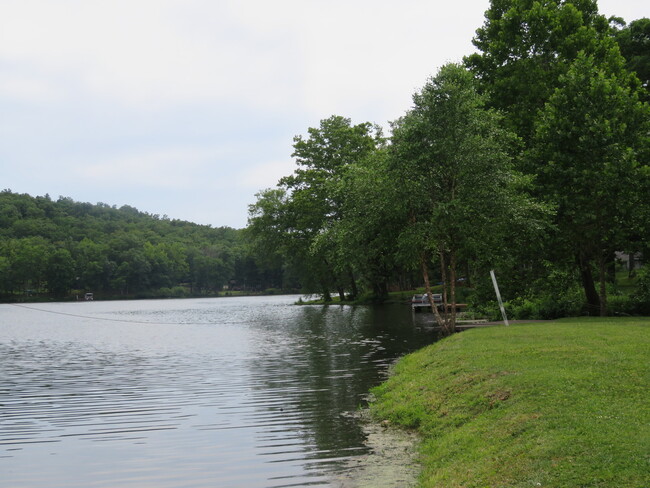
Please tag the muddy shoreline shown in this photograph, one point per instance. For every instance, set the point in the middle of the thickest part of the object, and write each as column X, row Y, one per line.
column 392, row 461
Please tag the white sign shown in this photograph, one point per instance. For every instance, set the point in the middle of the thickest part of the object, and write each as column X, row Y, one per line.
column 496, row 289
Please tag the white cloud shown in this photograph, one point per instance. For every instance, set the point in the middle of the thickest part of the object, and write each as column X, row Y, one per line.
column 322, row 56
column 24, row 87
column 325, row 57
column 162, row 168
column 149, row 53
column 265, row 175
column 628, row 9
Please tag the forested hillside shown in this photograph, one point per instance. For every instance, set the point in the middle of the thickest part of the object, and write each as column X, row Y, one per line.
column 62, row 248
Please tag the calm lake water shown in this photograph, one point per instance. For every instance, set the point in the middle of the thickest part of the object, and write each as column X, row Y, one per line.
column 225, row 392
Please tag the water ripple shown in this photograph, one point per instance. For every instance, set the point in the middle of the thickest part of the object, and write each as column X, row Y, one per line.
column 188, row 393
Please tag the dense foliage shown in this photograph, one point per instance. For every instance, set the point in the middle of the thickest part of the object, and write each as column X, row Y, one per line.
column 62, row 248
column 532, row 158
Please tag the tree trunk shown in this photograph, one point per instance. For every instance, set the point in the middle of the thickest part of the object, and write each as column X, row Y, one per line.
column 353, row 285
column 341, row 293
column 611, row 267
column 449, row 324
column 443, row 277
column 631, row 268
column 327, row 297
column 452, row 278
column 593, row 300
column 427, row 287
column 380, row 290
column 602, row 268
column 468, row 280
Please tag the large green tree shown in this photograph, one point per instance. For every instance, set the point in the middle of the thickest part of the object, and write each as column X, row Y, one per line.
column 453, row 161
column 526, row 50
column 590, row 147
column 634, row 42
column 60, row 272
column 313, row 200
column 525, row 45
column 280, row 234
column 373, row 218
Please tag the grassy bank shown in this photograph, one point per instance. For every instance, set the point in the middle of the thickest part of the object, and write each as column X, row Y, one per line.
column 559, row 404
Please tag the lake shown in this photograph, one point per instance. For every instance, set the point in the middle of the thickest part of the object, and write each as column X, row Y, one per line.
column 221, row 392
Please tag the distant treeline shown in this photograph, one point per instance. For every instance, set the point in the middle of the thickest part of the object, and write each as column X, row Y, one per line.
column 63, row 248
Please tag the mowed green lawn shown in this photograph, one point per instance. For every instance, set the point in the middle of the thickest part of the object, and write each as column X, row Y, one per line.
column 557, row 404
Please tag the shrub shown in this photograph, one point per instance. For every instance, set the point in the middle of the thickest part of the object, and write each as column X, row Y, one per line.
column 179, row 292
column 163, row 292
column 546, row 306
column 641, row 296
column 620, row 305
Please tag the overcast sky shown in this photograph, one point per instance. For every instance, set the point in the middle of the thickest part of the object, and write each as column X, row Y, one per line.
column 187, row 108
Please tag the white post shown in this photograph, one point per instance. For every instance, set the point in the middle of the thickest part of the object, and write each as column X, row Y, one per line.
column 496, row 289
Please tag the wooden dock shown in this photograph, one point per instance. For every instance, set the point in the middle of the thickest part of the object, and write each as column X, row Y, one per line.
column 420, row 303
